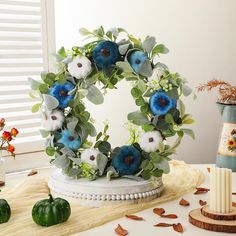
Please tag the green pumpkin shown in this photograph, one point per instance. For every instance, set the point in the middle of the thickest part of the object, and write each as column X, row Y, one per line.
column 5, row 211
column 51, row 211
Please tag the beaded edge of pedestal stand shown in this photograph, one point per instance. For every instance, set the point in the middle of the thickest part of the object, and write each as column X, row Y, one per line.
column 213, row 221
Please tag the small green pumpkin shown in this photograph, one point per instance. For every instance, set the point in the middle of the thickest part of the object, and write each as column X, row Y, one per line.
column 5, row 211
column 51, row 211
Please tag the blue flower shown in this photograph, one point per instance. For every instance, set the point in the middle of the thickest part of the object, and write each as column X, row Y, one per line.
column 60, row 92
column 105, row 54
column 127, row 161
column 136, row 60
column 160, row 103
column 70, row 140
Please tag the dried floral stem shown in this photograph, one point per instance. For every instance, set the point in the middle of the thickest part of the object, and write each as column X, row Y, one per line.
column 227, row 92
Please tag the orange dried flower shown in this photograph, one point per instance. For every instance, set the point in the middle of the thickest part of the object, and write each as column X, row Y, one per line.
column 14, row 132
column 7, row 136
column 11, row 148
column 2, row 122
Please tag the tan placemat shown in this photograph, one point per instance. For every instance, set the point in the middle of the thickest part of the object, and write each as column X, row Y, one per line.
column 181, row 179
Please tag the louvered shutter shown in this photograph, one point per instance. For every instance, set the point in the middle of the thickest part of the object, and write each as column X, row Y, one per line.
column 26, row 44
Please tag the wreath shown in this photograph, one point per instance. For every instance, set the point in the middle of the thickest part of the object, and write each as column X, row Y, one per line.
column 87, row 72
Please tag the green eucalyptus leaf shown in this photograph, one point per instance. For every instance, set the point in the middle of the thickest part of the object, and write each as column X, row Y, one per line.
column 72, row 124
column 50, row 102
column 148, row 128
column 141, row 85
column 84, row 32
column 134, row 40
column 160, row 48
column 67, row 152
column 173, row 93
column 94, row 95
column 43, row 88
column 50, row 151
column 91, row 129
column 61, row 162
column 186, row 90
column 138, row 118
column 163, row 165
column 101, row 163
column 157, row 173
column 148, row 44
column 189, row 132
column 35, row 107
column 111, row 173
column 104, row 147
column 44, row 133
column 181, row 107
column 136, row 93
column 146, row 69
column 123, row 48
column 125, row 66
column 34, row 84
column 62, row 52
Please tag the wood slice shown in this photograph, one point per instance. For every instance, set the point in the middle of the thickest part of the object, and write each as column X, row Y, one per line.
column 196, row 218
column 219, row 216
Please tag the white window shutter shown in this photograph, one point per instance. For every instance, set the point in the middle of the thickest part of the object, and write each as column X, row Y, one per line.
column 27, row 42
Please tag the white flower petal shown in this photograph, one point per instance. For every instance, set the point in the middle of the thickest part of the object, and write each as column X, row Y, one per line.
column 90, row 156
column 52, row 121
column 80, row 67
column 150, row 141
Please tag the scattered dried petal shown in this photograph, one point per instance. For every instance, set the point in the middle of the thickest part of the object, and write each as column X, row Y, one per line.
column 32, row 172
column 234, row 193
column 209, row 170
column 170, row 216
column 201, row 190
column 234, row 204
column 121, row 231
column 2, row 183
column 183, row 202
column 178, row 228
column 158, row 211
column 202, row 203
column 163, row 225
column 134, row 217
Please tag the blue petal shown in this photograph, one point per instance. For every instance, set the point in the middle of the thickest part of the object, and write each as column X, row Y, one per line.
column 119, row 161
column 136, row 60
column 65, row 140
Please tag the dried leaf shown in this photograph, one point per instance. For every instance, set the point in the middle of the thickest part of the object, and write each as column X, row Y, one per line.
column 163, row 225
column 170, row 216
column 32, row 172
column 121, row 231
column 184, row 202
column 134, row 217
column 209, row 170
column 234, row 204
column 201, row 190
column 202, row 203
column 234, row 193
column 158, row 211
column 178, row 228
column 2, row 183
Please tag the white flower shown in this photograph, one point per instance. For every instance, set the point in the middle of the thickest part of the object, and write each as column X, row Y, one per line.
column 150, row 141
column 52, row 121
column 95, row 158
column 80, row 67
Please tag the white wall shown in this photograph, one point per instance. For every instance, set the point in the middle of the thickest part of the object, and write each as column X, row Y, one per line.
column 201, row 36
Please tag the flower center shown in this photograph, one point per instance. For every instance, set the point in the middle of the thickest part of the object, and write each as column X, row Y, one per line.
column 71, row 138
column 92, row 158
column 137, row 61
column 150, row 140
column 128, row 160
column 162, row 102
column 53, row 117
column 105, row 52
column 79, row 65
column 63, row 93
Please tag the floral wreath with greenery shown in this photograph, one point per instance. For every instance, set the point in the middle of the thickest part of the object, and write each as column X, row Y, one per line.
column 85, row 71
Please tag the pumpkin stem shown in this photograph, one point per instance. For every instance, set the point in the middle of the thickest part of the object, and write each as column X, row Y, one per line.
column 50, row 197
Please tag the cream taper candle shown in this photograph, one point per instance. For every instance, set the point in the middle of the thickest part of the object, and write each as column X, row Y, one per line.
column 221, row 190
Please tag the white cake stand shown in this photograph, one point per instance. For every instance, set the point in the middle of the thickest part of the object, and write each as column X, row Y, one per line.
column 103, row 192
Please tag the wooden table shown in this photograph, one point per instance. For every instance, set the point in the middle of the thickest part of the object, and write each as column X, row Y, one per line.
column 143, row 228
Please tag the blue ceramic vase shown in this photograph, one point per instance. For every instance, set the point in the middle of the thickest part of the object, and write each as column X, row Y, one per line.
column 226, row 157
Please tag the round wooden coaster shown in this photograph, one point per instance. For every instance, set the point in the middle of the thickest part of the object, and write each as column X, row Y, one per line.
column 219, row 216
column 198, row 219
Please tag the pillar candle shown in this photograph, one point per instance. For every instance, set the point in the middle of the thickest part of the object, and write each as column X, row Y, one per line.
column 221, row 190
